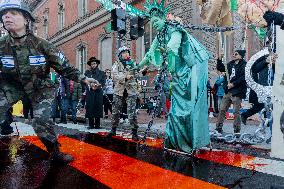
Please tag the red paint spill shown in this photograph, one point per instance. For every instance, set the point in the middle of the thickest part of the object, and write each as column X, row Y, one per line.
column 224, row 157
column 120, row 171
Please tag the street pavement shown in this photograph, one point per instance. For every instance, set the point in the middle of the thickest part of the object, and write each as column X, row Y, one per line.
column 122, row 163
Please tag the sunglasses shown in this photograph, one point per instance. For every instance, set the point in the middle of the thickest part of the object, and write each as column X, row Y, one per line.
column 236, row 54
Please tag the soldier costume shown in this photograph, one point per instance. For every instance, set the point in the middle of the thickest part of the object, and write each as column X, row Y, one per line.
column 120, row 71
column 25, row 65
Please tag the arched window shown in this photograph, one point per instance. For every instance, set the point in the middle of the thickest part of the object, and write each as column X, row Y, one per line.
column 82, row 57
column 61, row 15
column 149, row 36
column 45, row 27
column 106, row 53
column 45, row 23
column 82, row 7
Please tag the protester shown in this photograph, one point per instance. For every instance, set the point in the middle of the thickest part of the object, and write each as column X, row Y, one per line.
column 75, row 95
column 94, row 97
column 182, row 55
column 219, row 86
column 235, row 92
column 25, row 66
column 125, row 81
column 108, row 93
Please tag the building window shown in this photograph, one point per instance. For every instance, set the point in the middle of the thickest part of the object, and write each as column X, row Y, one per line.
column 82, row 7
column 106, row 56
column 45, row 27
column 61, row 15
column 45, row 23
column 149, row 36
column 82, row 58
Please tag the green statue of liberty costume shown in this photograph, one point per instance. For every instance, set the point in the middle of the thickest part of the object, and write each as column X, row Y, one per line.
column 187, row 60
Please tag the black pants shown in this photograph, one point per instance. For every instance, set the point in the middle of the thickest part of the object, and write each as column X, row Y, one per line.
column 215, row 99
column 108, row 98
column 256, row 107
column 27, row 108
column 94, row 122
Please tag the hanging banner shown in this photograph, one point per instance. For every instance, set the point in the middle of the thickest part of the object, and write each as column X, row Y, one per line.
column 277, row 144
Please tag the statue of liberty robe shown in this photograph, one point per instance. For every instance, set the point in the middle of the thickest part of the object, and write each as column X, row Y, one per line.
column 187, row 60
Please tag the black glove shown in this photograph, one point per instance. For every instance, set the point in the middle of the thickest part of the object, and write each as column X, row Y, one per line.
column 277, row 17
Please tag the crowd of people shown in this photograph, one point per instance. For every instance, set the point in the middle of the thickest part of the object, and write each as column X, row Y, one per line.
column 233, row 89
column 26, row 61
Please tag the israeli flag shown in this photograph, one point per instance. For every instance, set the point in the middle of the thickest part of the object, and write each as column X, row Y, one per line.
column 8, row 61
column 37, row 60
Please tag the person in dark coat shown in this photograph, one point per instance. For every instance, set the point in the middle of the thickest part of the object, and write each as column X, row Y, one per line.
column 234, row 92
column 94, row 98
column 260, row 75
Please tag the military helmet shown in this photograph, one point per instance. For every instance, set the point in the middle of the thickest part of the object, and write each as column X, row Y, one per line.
column 122, row 49
column 17, row 5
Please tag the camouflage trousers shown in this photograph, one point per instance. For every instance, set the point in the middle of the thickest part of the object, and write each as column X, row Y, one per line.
column 41, row 101
column 131, row 111
column 227, row 100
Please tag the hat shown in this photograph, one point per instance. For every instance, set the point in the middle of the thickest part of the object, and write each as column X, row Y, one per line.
column 242, row 53
column 220, row 66
column 93, row 59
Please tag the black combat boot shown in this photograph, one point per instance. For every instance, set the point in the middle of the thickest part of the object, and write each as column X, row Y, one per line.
column 6, row 129
column 111, row 133
column 55, row 154
column 135, row 137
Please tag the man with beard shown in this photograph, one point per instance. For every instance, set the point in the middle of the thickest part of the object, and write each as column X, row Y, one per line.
column 94, row 96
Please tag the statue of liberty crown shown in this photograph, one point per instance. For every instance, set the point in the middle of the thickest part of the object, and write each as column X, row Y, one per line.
column 156, row 7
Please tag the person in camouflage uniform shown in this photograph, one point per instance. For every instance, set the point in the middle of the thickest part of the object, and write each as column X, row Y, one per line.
column 25, row 62
column 124, row 78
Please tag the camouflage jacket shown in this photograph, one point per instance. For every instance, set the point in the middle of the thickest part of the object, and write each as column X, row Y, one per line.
column 76, row 91
column 29, row 63
column 119, row 74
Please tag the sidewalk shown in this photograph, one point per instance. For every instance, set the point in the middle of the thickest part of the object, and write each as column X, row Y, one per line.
column 158, row 128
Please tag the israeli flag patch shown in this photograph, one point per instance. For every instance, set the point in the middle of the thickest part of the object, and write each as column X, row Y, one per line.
column 37, row 60
column 8, row 61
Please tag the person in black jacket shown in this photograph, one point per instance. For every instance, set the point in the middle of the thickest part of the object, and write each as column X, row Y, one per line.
column 94, row 98
column 275, row 17
column 260, row 75
column 235, row 92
